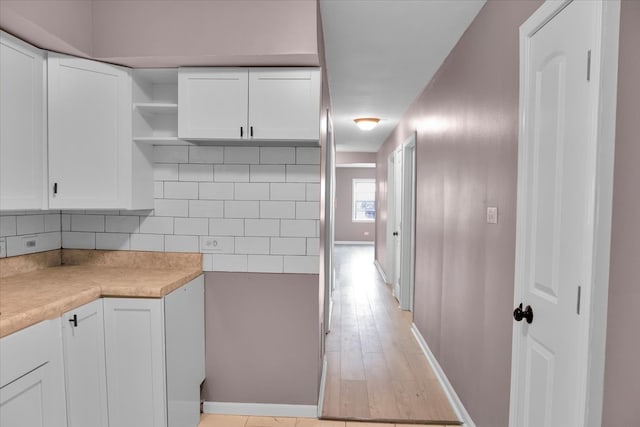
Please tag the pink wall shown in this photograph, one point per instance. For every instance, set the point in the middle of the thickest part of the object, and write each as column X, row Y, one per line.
column 345, row 228
column 195, row 32
column 169, row 33
column 59, row 25
column 467, row 132
column 622, row 373
column 261, row 338
column 343, row 157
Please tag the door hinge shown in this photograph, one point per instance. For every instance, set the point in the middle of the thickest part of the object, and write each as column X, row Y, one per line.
column 579, row 297
column 589, row 65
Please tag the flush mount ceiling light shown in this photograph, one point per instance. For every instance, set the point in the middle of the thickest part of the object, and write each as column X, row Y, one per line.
column 367, row 123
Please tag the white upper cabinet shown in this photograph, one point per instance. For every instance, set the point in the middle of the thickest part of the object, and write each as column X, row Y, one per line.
column 22, row 125
column 90, row 147
column 212, row 103
column 284, row 104
column 256, row 104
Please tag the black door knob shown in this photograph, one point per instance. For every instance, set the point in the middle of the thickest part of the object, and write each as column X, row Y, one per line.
column 526, row 314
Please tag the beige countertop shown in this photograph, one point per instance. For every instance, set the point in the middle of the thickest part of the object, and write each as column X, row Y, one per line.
column 48, row 292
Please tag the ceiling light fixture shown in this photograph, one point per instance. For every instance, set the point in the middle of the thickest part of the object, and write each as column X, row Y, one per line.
column 367, row 123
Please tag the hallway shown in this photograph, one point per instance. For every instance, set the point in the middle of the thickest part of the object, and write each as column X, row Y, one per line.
column 376, row 369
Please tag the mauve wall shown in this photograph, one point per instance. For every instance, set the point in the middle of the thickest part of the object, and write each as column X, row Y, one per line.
column 622, row 371
column 467, row 133
column 343, row 157
column 261, row 338
column 195, row 32
column 60, row 25
column 345, row 228
column 169, row 33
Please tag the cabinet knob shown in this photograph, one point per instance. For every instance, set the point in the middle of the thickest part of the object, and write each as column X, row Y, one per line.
column 241, row 132
column 55, row 188
column 251, row 128
column 74, row 320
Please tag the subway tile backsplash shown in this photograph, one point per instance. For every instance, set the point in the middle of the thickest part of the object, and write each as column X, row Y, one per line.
column 247, row 209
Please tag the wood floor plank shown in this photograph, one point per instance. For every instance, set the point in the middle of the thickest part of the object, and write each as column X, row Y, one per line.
column 376, row 369
column 354, row 399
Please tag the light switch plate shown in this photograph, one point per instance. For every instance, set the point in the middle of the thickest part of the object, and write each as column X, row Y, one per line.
column 492, row 215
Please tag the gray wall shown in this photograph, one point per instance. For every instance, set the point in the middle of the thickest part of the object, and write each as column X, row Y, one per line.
column 622, row 373
column 345, row 228
column 261, row 338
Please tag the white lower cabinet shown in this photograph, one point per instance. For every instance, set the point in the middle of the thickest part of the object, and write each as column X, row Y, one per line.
column 84, row 366
column 155, row 358
column 31, row 377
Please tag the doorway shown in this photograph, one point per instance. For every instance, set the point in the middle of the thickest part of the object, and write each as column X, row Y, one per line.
column 401, row 194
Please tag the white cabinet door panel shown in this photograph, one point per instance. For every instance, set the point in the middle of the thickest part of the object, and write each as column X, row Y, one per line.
column 84, row 362
column 184, row 323
column 22, row 402
column 22, row 125
column 212, row 103
column 135, row 356
column 31, row 377
column 284, row 104
column 89, row 133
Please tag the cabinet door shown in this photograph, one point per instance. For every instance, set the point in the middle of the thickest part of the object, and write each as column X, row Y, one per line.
column 22, row 125
column 212, row 103
column 135, row 355
column 184, row 323
column 84, row 366
column 284, row 104
column 89, row 134
column 31, row 375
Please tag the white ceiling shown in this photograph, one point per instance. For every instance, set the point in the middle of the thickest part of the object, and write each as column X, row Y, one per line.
column 381, row 54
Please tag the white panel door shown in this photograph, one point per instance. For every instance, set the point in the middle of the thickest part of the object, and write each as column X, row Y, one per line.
column 84, row 366
column 89, row 134
column 22, row 125
column 284, row 104
column 184, row 332
column 397, row 221
column 135, row 356
column 212, row 103
column 555, row 221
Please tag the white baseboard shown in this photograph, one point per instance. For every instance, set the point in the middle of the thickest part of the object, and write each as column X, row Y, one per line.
column 454, row 400
column 354, row 242
column 380, row 270
column 323, row 383
column 261, row 409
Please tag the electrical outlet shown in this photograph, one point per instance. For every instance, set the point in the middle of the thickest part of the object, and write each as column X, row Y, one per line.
column 30, row 243
column 216, row 244
column 492, row 215
column 366, row 233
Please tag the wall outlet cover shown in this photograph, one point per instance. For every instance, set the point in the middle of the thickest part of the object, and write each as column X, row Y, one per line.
column 492, row 215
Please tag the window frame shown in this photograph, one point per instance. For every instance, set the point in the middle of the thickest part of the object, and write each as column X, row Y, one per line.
column 354, row 183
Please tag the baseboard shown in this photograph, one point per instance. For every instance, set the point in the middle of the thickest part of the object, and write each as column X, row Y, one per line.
column 380, row 270
column 454, row 400
column 261, row 409
column 354, row 242
column 323, row 383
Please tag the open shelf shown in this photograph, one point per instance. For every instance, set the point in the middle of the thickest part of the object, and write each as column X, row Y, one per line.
column 157, row 107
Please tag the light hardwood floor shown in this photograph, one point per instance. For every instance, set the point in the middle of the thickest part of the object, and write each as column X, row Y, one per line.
column 211, row 420
column 376, row 369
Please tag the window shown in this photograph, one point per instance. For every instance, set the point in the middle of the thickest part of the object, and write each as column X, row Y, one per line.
column 364, row 200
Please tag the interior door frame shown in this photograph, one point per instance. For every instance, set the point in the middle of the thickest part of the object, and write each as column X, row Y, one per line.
column 604, row 72
column 390, row 246
column 408, row 248
column 329, row 235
